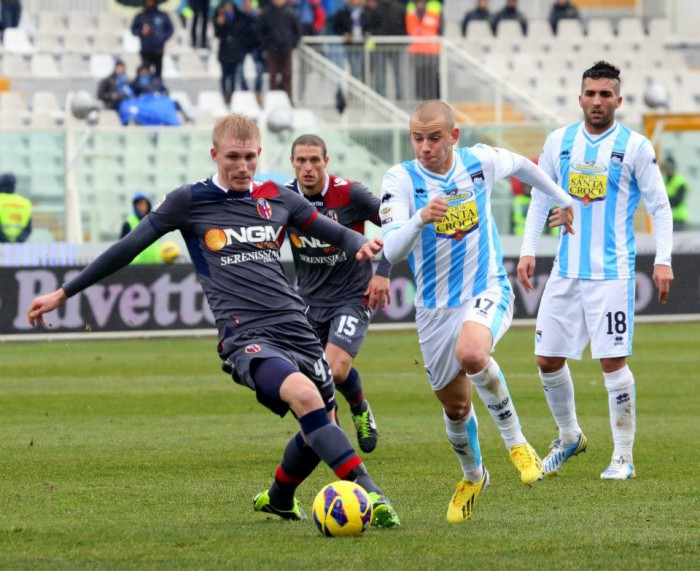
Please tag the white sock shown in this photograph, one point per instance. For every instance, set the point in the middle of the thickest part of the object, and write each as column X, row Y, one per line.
column 493, row 392
column 559, row 391
column 464, row 437
column 622, row 404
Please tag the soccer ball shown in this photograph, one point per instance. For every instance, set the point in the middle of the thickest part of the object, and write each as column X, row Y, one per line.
column 656, row 95
column 342, row 508
column 82, row 104
column 169, row 252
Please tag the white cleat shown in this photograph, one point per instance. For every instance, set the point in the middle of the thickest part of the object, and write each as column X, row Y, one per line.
column 620, row 468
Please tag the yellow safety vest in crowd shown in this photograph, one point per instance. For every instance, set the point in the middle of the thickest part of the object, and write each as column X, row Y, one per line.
column 680, row 212
column 15, row 213
column 150, row 255
column 520, row 205
column 429, row 26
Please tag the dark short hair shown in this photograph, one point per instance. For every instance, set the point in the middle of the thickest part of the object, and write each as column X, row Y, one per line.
column 602, row 69
column 310, row 141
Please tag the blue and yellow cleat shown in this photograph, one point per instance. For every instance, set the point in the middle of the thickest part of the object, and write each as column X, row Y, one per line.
column 621, row 468
column 383, row 513
column 261, row 503
column 560, row 453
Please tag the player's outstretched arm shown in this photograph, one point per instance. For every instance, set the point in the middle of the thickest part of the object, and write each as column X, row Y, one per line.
column 663, row 276
column 43, row 304
column 525, row 271
column 400, row 238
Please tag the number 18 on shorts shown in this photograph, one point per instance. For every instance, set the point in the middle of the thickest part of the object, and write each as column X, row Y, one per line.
column 575, row 311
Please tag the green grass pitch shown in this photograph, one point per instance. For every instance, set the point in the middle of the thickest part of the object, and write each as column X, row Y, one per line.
column 140, row 454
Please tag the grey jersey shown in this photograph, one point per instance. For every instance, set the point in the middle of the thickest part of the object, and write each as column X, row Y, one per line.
column 326, row 276
column 234, row 240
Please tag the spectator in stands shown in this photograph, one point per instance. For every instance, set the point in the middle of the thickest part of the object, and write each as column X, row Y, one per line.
column 227, row 24
column 115, row 88
column 388, row 19
column 561, row 10
column 521, row 202
column 146, row 82
column 480, row 12
column 200, row 18
column 311, row 15
column 424, row 19
column 141, row 206
column 183, row 12
column 10, row 14
column 280, row 32
column 353, row 24
column 237, row 30
column 153, row 27
column 677, row 190
column 151, row 103
column 509, row 12
column 15, row 211
column 250, row 38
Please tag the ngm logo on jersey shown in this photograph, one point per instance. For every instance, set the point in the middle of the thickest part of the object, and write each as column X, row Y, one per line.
column 308, row 242
column 217, row 239
column 588, row 182
column 461, row 217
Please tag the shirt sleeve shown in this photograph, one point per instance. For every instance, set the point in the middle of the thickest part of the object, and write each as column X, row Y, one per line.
column 305, row 217
column 115, row 257
column 651, row 185
column 400, row 226
column 365, row 203
column 172, row 213
column 540, row 205
column 528, row 172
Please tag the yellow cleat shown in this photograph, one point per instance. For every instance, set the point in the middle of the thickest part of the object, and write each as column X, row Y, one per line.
column 526, row 462
column 462, row 504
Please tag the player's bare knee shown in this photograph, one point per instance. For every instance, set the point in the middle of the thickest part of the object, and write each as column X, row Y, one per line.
column 472, row 358
column 299, row 392
column 340, row 370
column 457, row 410
column 550, row 364
column 610, row 365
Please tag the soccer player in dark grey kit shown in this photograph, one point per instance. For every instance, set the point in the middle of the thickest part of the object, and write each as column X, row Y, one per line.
column 340, row 291
column 233, row 229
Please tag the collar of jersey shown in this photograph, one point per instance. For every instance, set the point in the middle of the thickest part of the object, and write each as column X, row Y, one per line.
column 441, row 177
column 595, row 139
column 236, row 193
column 320, row 196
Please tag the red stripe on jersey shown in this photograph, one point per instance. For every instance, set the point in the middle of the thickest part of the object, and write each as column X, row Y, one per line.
column 348, row 466
column 306, row 224
column 283, row 477
column 280, row 240
column 267, row 189
column 358, row 226
column 338, row 193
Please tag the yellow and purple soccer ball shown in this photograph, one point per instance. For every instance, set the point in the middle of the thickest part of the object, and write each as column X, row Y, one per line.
column 169, row 252
column 342, row 508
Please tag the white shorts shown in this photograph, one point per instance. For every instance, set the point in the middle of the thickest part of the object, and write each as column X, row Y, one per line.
column 439, row 329
column 574, row 311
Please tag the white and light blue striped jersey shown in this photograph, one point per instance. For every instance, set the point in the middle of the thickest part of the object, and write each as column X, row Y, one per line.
column 460, row 256
column 607, row 175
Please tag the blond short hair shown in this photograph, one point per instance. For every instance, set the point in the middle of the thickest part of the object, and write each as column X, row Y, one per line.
column 237, row 127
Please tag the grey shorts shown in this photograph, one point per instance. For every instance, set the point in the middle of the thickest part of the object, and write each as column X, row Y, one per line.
column 345, row 326
column 299, row 346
